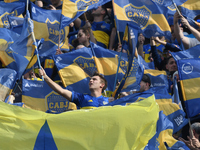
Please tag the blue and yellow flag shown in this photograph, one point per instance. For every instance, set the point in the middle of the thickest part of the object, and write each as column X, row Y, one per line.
column 173, row 112
column 92, row 129
column 150, row 16
column 43, row 98
column 190, row 9
column 72, row 9
column 10, row 9
column 135, row 69
column 158, row 78
column 189, row 73
column 19, row 52
column 14, row 61
column 16, row 23
column 193, row 52
column 23, row 45
column 47, row 26
column 11, row 1
column 164, row 100
column 163, row 136
column 7, row 82
column 76, row 68
column 7, row 38
column 171, row 7
column 159, row 93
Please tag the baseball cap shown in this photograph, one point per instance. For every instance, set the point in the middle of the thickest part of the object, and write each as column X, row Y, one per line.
column 146, row 79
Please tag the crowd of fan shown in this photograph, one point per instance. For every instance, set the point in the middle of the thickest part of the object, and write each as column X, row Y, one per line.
column 97, row 26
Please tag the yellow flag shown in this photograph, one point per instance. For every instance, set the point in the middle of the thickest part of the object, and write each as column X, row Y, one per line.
column 108, row 127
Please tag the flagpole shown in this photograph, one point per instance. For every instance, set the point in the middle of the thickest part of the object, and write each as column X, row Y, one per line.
column 190, row 128
column 94, row 56
column 35, row 43
column 119, row 37
column 38, row 59
column 176, row 7
column 115, row 82
column 27, row 5
column 95, row 60
column 117, row 70
column 85, row 17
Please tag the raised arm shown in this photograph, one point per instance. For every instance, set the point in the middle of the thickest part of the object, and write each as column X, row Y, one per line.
column 57, row 88
column 168, row 46
column 112, row 38
column 141, row 40
column 92, row 38
column 179, row 33
column 193, row 30
column 77, row 23
column 156, row 57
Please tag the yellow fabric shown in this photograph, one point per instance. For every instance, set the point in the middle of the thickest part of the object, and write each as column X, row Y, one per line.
column 191, row 88
column 112, row 128
column 5, row 59
column 146, row 57
column 68, row 73
column 157, row 19
column 102, row 37
column 154, row 72
column 167, row 106
column 191, row 5
column 166, row 136
column 118, row 127
column 41, row 104
column 19, row 127
column 108, row 66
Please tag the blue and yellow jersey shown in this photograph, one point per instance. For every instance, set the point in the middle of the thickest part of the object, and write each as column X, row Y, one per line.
column 101, row 31
column 85, row 101
column 147, row 49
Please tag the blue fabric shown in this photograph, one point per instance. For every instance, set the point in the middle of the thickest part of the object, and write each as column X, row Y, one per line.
column 172, row 47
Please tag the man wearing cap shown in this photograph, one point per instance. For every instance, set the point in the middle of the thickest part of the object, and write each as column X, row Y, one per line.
column 145, row 83
column 144, row 86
